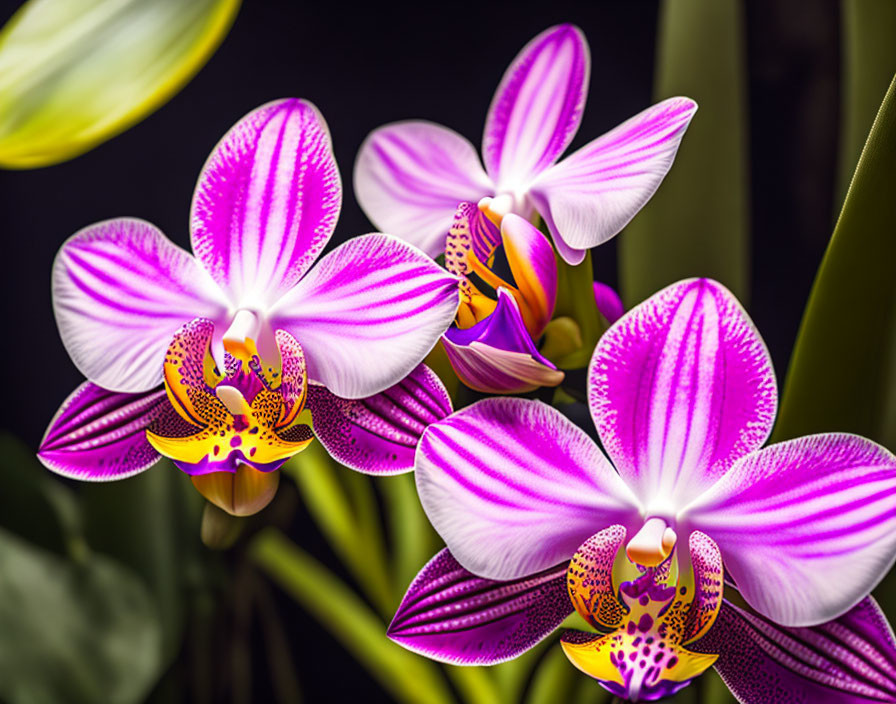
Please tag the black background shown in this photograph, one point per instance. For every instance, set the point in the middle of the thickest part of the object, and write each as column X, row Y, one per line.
column 364, row 65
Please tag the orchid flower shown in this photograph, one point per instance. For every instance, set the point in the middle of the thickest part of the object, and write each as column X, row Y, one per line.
column 683, row 396
column 492, row 347
column 245, row 332
column 410, row 176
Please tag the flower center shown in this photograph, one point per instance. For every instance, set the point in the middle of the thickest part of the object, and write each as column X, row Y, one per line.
column 245, row 421
column 645, row 624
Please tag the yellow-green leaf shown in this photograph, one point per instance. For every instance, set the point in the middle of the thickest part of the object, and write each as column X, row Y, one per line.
column 74, row 73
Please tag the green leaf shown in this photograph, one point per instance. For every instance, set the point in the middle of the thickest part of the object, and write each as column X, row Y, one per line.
column 408, row 677
column 842, row 375
column 74, row 73
column 555, row 679
column 575, row 300
column 697, row 223
column 151, row 523
column 344, row 507
column 412, row 539
column 869, row 62
column 77, row 633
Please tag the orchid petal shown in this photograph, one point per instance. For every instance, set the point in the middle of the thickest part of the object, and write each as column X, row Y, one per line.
column 266, row 202
column 851, row 660
column 592, row 194
column 537, row 108
column 497, row 354
column 73, row 73
column 410, row 176
column 451, row 615
column 100, row 435
column 121, row 290
column 514, row 487
column 608, row 302
column 534, row 268
column 379, row 434
column 807, row 528
column 368, row 313
column 680, row 388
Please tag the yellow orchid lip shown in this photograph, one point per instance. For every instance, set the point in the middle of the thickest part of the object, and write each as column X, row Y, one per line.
column 246, row 418
column 644, row 624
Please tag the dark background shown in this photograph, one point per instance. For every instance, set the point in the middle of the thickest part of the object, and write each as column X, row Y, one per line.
column 364, row 65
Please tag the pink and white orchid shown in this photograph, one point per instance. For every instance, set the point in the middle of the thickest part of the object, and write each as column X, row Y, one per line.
column 534, row 514
column 410, row 176
column 236, row 331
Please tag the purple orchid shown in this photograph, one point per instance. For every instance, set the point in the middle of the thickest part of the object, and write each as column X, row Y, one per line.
column 410, row 176
column 236, row 331
column 683, row 395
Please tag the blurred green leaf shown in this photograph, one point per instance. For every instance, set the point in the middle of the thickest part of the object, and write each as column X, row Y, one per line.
column 406, row 676
column 869, row 62
column 412, row 539
column 151, row 523
column 74, row 73
column 554, row 679
column 34, row 503
column 344, row 507
column 575, row 300
column 842, row 375
column 697, row 224
column 74, row 633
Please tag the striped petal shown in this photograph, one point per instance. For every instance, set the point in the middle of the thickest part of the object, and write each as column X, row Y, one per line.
column 537, row 108
column 379, row 434
column 514, row 487
column 451, row 615
column 851, row 660
column 680, row 388
column 266, row 202
column 410, row 176
column 100, row 435
column 807, row 528
column 121, row 290
column 592, row 194
column 497, row 354
column 368, row 314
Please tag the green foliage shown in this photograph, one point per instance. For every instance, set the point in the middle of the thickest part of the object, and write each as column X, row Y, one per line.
column 76, row 625
column 697, row 224
column 842, row 374
column 869, row 62
column 74, row 73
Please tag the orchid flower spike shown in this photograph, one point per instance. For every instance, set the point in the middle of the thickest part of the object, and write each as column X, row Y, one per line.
column 538, row 522
column 410, row 176
column 247, row 332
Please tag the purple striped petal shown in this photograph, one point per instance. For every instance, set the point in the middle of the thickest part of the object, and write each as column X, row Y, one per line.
column 848, row 661
column 410, row 176
column 368, row 313
column 267, row 201
column 592, row 194
column 537, row 108
column 680, row 388
column 497, row 355
column 514, row 487
column 100, row 435
column 451, row 615
column 608, row 302
column 121, row 290
column 379, row 434
column 807, row 528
